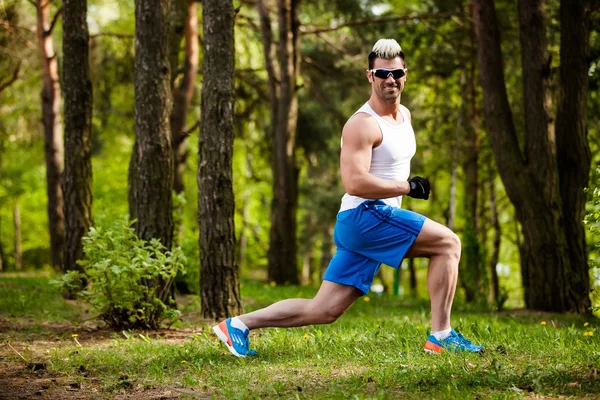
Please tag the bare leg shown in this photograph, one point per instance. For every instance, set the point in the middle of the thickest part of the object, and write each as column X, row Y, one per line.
column 442, row 247
column 328, row 305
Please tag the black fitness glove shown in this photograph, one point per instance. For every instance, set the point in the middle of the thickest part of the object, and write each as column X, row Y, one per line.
column 419, row 187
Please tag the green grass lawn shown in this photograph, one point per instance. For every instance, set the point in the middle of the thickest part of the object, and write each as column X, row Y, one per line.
column 373, row 351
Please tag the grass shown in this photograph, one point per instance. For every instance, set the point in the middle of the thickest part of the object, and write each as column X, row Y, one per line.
column 374, row 351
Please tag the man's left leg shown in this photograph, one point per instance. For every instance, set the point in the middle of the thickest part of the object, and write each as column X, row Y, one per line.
column 331, row 301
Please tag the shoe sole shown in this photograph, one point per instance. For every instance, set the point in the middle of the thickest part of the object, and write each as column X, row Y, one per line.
column 223, row 338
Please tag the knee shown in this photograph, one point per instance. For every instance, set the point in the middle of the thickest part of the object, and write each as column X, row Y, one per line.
column 452, row 245
column 329, row 314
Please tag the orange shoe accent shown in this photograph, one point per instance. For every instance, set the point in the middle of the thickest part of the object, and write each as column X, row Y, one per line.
column 223, row 327
column 432, row 347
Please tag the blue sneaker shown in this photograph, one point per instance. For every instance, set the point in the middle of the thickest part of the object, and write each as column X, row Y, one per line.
column 235, row 339
column 455, row 343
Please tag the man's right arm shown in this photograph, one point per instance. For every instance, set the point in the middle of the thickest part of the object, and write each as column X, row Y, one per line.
column 360, row 134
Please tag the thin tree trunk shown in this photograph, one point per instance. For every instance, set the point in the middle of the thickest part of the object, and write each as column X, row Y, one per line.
column 151, row 165
column 496, row 245
column 53, row 143
column 18, row 244
column 77, row 177
column 182, row 93
column 284, row 115
column 413, row 277
column 572, row 143
column 219, row 286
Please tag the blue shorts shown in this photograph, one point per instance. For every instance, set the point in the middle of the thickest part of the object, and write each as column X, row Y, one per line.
column 367, row 236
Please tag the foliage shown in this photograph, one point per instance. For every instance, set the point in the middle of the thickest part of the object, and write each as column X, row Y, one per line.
column 592, row 222
column 128, row 278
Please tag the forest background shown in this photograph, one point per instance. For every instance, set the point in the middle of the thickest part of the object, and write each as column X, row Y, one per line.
column 333, row 38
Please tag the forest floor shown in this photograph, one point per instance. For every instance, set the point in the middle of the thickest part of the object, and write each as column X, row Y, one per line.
column 55, row 349
column 25, row 372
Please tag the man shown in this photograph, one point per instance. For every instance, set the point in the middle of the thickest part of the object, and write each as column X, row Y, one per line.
column 377, row 144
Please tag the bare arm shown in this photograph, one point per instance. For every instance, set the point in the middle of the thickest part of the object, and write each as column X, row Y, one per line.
column 359, row 136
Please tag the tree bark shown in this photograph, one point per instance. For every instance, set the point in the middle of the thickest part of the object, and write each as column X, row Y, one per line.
column 151, row 165
column 283, row 266
column 184, row 25
column 53, row 143
column 531, row 181
column 413, row 277
column 18, row 244
column 219, row 287
column 496, row 246
column 572, row 143
column 77, row 177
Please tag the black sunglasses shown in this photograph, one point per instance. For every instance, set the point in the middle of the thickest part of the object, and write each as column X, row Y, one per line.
column 385, row 73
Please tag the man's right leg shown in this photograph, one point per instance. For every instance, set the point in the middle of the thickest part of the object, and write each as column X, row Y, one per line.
column 331, row 301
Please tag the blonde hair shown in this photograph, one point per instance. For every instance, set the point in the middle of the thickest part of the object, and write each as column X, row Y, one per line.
column 387, row 49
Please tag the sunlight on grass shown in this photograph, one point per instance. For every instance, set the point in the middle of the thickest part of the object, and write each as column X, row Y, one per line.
column 374, row 351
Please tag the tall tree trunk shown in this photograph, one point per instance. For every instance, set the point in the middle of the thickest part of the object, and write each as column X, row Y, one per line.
column 473, row 238
column 219, row 286
column 53, row 143
column 77, row 177
column 186, row 22
column 572, row 143
column 284, row 116
column 413, row 277
column 18, row 244
column 496, row 246
column 151, row 166
column 531, row 181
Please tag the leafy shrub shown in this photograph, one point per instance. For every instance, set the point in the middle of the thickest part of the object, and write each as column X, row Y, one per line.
column 129, row 279
column 592, row 222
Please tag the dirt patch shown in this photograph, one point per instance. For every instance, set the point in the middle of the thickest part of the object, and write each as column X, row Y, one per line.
column 18, row 382
column 23, row 373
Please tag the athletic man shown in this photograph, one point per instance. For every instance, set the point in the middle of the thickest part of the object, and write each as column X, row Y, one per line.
column 377, row 144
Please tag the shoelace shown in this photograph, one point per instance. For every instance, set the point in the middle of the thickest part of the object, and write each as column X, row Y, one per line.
column 459, row 341
column 464, row 340
column 246, row 341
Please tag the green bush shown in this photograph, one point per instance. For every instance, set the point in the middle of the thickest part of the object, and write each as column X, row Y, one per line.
column 592, row 222
column 129, row 280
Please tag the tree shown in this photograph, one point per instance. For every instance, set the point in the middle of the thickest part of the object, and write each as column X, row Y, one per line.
column 53, row 142
column 77, row 177
column 219, row 287
column 151, row 165
column 283, row 101
column 573, row 151
column 553, row 262
column 184, row 24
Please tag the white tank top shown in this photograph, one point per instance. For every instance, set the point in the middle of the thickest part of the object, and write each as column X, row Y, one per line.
column 391, row 159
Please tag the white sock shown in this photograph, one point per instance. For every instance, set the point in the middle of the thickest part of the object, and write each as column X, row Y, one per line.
column 236, row 323
column 441, row 335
